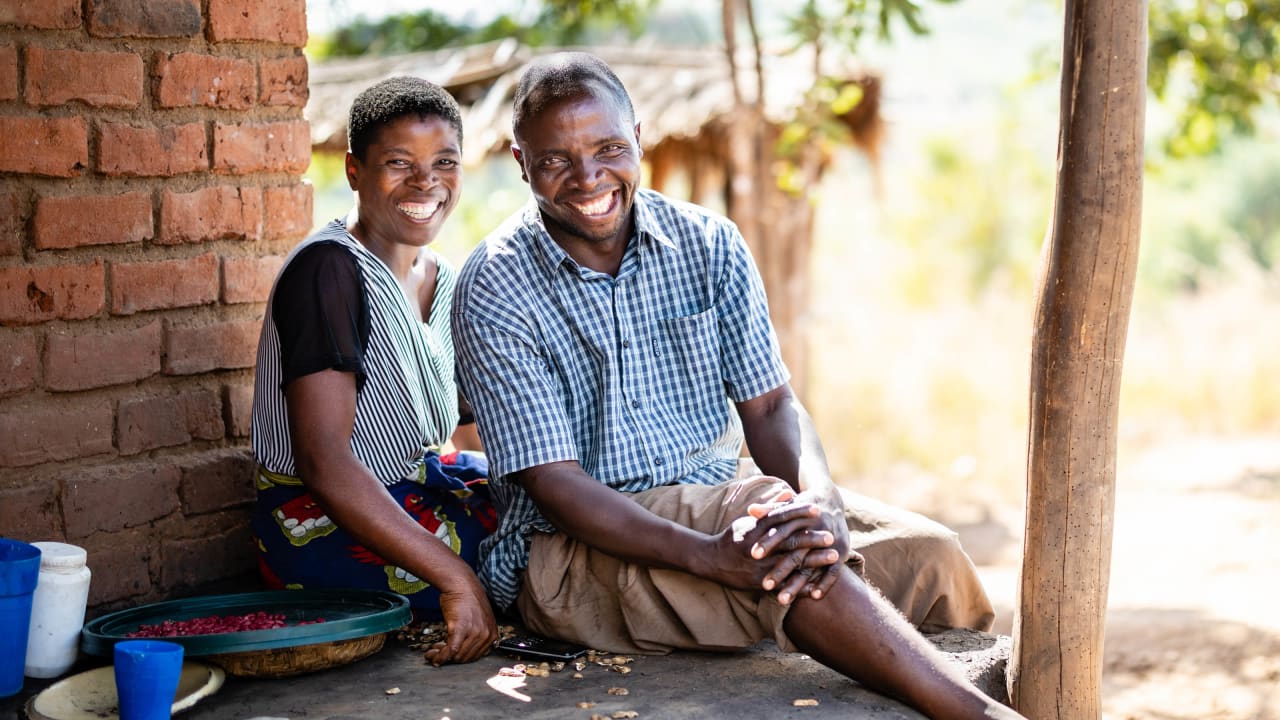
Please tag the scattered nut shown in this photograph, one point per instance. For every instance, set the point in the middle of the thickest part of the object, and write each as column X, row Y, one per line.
column 625, row 715
column 618, row 691
column 805, row 702
column 584, row 705
column 577, row 676
column 393, row 691
column 557, row 666
column 742, row 526
column 517, row 671
column 620, row 669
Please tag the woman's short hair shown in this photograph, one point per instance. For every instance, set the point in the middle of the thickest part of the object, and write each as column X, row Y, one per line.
column 396, row 97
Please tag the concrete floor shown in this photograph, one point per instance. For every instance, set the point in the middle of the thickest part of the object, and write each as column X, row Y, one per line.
column 757, row 684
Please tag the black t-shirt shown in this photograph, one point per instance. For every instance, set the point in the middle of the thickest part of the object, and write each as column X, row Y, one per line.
column 321, row 314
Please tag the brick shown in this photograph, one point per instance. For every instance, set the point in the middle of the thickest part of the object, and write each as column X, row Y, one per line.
column 284, row 81
column 220, row 554
column 192, row 79
column 47, row 14
column 287, row 212
column 30, row 295
column 280, row 21
column 249, row 279
column 84, row 220
column 121, row 564
column 203, row 412
column 31, row 514
column 262, row 147
column 144, row 18
column 101, row 358
column 140, row 286
column 148, row 423
column 11, row 224
column 217, row 481
column 237, row 408
column 216, row 213
column 19, row 361
column 101, row 79
column 220, row 346
column 152, row 151
column 58, row 147
column 54, row 431
column 116, row 497
column 8, row 73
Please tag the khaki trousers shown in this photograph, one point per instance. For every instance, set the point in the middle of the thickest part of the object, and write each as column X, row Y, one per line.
column 574, row 592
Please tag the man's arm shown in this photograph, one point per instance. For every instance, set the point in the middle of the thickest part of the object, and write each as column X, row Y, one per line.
column 580, row 506
column 783, row 443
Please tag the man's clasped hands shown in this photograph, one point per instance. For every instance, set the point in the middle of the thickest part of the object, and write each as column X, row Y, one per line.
column 796, row 548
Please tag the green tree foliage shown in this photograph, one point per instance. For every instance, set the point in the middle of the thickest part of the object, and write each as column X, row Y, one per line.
column 1216, row 63
column 559, row 22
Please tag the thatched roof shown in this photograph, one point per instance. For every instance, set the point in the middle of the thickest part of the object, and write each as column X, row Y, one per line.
column 677, row 93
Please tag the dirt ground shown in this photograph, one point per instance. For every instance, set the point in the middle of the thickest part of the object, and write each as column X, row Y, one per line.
column 1193, row 630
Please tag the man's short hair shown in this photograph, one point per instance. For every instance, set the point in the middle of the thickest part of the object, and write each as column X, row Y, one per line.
column 560, row 76
column 396, row 97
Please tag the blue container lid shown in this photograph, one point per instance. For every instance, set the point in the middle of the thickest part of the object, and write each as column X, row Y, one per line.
column 347, row 614
column 19, row 567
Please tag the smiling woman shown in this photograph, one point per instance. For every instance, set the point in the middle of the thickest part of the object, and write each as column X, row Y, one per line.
column 355, row 390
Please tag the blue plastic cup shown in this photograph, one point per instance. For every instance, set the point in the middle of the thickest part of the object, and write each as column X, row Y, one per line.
column 147, row 674
column 19, row 569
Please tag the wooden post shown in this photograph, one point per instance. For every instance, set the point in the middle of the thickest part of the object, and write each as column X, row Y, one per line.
column 1082, row 315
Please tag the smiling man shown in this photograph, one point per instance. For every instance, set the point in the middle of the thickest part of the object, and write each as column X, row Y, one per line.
column 617, row 349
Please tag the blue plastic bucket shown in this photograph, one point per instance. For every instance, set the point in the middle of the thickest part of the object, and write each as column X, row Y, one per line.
column 19, row 569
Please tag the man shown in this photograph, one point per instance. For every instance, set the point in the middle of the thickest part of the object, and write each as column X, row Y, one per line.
column 606, row 336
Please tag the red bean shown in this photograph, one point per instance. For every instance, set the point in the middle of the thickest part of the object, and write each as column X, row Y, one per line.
column 214, row 624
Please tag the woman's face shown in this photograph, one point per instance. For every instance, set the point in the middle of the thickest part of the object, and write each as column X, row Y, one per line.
column 408, row 182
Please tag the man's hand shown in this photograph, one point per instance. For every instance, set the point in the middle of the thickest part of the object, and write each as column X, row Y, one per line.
column 809, row 541
column 469, row 620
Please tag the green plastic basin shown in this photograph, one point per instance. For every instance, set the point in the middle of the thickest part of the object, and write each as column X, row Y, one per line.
column 347, row 614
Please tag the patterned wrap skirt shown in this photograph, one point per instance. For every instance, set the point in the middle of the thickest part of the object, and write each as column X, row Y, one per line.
column 300, row 547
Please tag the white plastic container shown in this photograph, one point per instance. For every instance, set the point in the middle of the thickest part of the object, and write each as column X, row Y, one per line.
column 57, row 610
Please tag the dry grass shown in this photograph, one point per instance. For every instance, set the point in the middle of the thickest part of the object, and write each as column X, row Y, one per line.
column 924, row 402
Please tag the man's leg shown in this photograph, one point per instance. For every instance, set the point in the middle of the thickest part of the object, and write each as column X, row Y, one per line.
column 856, row 632
column 917, row 565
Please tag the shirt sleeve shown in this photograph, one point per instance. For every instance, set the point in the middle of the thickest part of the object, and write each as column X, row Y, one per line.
column 516, row 400
column 321, row 314
column 749, row 352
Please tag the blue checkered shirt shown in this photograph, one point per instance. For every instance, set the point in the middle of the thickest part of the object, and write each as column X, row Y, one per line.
column 630, row 376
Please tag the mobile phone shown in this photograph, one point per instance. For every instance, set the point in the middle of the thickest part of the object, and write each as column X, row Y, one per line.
column 534, row 647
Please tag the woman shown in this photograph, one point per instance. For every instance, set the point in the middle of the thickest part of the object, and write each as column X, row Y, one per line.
column 355, row 388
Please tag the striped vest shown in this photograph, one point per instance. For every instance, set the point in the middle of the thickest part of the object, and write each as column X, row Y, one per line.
column 409, row 400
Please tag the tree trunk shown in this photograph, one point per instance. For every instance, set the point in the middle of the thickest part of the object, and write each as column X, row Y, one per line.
column 1084, row 292
column 777, row 225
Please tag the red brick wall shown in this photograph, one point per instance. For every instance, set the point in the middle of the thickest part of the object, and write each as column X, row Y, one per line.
column 150, row 153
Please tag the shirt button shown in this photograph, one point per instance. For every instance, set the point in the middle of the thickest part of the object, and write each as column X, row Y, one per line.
column 657, row 461
column 626, row 343
column 635, row 404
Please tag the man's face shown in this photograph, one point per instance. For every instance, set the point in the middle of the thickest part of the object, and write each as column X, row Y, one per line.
column 408, row 182
column 581, row 158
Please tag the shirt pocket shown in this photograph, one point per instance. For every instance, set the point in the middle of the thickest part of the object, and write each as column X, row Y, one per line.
column 688, row 361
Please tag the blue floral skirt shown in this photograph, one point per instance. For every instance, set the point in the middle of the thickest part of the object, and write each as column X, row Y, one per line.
column 300, row 547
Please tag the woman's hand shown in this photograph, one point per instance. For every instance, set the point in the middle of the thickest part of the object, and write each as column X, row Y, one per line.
column 469, row 621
